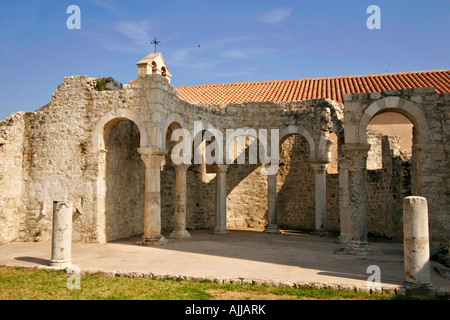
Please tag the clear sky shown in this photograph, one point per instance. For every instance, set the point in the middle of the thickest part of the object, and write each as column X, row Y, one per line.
column 213, row 41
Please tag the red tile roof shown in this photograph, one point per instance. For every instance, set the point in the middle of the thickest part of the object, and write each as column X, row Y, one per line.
column 332, row 88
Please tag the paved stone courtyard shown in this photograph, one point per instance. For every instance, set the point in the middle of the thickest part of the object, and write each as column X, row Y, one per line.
column 290, row 258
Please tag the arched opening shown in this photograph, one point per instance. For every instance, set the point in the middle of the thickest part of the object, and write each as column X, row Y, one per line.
column 201, row 186
column 391, row 171
column 163, row 71
column 295, row 185
column 398, row 131
column 154, row 67
column 124, row 180
column 168, row 180
column 247, row 187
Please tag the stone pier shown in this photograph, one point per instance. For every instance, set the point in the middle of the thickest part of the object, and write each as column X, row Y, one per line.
column 356, row 155
column 416, row 247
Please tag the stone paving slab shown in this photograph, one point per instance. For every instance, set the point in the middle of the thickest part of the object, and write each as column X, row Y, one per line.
column 241, row 256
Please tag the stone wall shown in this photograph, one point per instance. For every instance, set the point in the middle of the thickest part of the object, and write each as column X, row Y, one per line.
column 247, row 196
column 375, row 157
column 333, row 213
column 13, row 131
column 386, row 188
column 295, row 184
column 57, row 161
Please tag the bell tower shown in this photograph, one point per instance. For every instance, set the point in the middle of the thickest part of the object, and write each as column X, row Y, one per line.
column 154, row 63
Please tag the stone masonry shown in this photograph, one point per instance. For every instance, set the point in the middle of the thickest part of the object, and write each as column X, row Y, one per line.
column 108, row 153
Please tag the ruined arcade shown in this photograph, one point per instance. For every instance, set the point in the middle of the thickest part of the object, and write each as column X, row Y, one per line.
column 109, row 151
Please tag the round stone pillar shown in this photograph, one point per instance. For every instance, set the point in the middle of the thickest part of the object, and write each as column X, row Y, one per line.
column 62, row 234
column 344, row 202
column 272, row 226
column 180, row 202
column 221, row 199
column 320, row 168
column 152, row 158
column 416, row 247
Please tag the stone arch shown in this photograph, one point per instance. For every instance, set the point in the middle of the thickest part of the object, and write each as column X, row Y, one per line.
column 124, row 180
column 288, row 131
column 169, row 177
column 421, row 130
column 103, row 128
column 109, row 120
column 400, row 105
column 252, row 151
column 295, row 183
column 173, row 118
column 421, row 136
column 247, row 150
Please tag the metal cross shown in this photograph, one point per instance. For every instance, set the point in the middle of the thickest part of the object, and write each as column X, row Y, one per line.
column 155, row 42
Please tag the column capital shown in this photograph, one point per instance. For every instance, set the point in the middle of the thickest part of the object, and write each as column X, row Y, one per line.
column 152, row 151
column 319, row 165
column 181, row 167
column 152, row 160
column 222, row 168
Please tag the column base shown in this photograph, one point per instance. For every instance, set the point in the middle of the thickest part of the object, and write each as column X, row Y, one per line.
column 343, row 239
column 420, row 290
column 360, row 248
column 322, row 233
column 272, row 228
column 357, row 248
column 180, row 234
column 58, row 265
column 220, row 231
column 152, row 241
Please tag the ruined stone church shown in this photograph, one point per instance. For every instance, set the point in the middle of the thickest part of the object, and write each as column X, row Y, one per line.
column 108, row 151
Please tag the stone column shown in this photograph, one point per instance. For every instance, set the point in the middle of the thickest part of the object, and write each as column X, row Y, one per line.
column 344, row 202
column 272, row 226
column 416, row 247
column 152, row 204
column 320, row 194
column 356, row 155
column 62, row 234
column 180, row 202
column 221, row 199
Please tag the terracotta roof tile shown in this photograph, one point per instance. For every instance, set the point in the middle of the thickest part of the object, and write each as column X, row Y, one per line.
column 332, row 88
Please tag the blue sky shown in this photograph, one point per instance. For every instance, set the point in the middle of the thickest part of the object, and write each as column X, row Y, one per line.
column 211, row 41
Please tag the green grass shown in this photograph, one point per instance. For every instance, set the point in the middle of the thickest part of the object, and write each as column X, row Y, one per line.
column 18, row 283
